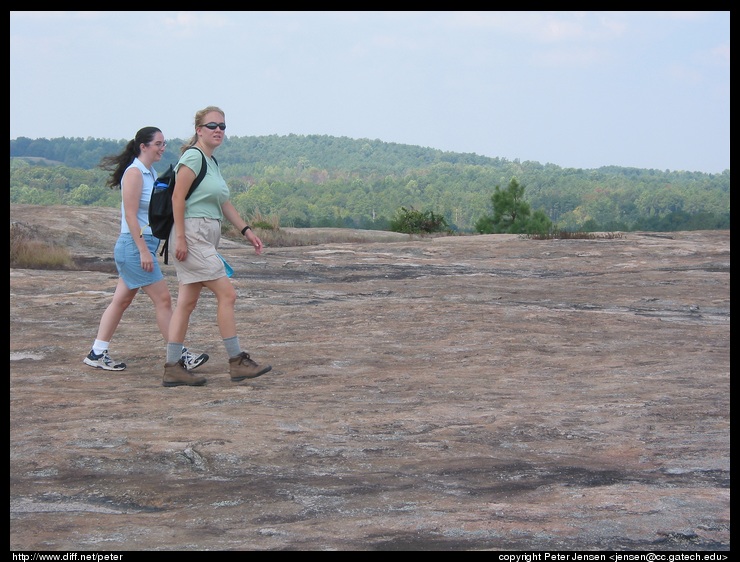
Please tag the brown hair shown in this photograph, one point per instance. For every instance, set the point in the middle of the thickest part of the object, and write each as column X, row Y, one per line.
column 118, row 163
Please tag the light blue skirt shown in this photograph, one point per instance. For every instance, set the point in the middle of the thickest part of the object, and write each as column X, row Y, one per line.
column 128, row 261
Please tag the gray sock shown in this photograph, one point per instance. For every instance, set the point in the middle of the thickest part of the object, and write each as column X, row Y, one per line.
column 174, row 352
column 232, row 346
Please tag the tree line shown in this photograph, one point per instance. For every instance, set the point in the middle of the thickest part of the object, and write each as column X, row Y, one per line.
column 320, row 180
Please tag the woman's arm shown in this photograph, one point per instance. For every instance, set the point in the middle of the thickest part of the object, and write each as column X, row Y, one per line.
column 183, row 180
column 132, row 184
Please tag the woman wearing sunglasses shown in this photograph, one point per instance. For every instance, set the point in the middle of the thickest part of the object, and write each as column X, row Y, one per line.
column 134, row 252
column 195, row 238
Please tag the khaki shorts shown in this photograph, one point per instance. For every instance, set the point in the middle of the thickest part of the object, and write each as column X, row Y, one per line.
column 203, row 262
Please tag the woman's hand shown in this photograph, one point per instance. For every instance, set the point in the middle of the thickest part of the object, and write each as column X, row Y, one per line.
column 254, row 240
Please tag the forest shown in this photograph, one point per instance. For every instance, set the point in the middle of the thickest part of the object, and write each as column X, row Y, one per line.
column 320, row 181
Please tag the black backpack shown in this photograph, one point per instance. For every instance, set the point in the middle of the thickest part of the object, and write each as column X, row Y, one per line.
column 160, row 206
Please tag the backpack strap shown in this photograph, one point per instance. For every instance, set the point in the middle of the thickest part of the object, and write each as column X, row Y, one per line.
column 202, row 173
column 165, row 251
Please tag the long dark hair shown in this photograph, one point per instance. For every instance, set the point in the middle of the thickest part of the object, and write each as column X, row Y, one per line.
column 117, row 164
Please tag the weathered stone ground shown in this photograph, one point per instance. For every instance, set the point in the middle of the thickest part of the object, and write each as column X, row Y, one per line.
column 461, row 393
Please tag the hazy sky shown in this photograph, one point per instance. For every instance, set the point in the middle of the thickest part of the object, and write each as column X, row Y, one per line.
column 575, row 89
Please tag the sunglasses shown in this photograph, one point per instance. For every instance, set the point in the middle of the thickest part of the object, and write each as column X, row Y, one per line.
column 212, row 126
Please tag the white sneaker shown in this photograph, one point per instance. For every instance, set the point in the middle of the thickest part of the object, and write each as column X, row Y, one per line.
column 103, row 361
column 192, row 361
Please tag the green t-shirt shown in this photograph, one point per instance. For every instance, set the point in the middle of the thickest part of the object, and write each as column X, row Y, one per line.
column 212, row 192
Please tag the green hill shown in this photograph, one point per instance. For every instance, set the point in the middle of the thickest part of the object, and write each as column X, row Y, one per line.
column 324, row 181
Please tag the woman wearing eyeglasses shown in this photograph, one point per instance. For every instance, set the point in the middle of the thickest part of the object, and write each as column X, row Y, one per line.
column 195, row 237
column 134, row 252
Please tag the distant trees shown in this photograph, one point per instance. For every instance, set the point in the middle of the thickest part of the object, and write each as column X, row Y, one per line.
column 318, row 180
column 512, row 214
column 411, row 221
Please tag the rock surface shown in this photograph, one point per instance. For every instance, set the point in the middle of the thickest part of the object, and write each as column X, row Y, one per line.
column 460, row 393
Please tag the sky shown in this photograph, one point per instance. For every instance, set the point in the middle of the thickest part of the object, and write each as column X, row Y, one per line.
column 575, row 89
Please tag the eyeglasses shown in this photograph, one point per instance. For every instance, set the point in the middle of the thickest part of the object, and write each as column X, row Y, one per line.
column 158, row 144
column 212, row 126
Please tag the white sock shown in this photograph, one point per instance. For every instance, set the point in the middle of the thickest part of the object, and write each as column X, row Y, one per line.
column 100, row 346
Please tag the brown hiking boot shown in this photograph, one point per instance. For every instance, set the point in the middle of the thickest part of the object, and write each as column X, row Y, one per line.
column 175, row 374
column 242, row 367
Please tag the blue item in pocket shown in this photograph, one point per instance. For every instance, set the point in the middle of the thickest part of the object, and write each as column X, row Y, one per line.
column 229, row 269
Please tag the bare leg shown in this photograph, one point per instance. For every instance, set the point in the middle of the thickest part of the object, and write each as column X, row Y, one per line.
column 122, row 299
column 159, row 292
column 187, row 298
column 226, row 300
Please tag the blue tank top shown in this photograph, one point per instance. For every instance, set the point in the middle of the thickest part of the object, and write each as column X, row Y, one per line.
column 142, row 213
